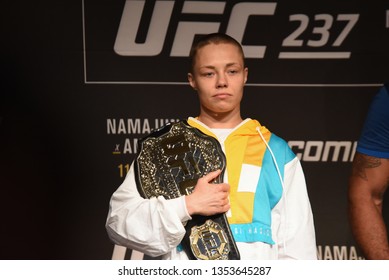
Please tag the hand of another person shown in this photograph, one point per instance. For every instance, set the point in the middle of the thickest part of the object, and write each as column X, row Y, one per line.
column 208, row 198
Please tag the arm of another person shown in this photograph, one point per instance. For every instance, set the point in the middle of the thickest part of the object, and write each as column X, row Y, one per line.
column 368, row 182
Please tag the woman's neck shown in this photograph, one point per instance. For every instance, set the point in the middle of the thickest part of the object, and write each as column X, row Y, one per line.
column 220, row 121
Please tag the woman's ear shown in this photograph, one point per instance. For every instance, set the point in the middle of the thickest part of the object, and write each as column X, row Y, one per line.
column 192, row 81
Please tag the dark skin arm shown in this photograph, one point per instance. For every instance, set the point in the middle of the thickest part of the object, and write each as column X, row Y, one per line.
column 367, row 184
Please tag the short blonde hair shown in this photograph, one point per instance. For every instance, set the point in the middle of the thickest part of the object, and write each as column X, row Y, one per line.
column 213, row 38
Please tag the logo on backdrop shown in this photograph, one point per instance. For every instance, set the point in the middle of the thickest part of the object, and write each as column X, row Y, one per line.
column 133, row 129
column 326, row 252
column 324, row 151
column 148, row 42
column 126, row 134
column 237, row 27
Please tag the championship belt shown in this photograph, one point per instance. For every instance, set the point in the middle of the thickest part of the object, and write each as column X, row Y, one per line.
column 169, row 163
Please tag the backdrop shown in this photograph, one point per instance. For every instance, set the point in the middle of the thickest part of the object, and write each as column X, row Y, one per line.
column 82, row 81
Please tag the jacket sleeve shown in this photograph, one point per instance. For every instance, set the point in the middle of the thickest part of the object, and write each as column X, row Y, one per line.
column 296, row 232
column 153, row 226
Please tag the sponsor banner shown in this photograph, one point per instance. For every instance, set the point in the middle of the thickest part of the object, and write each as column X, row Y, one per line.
column 329, row 42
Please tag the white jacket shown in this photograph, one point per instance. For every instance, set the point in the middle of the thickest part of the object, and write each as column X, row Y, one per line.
column 281, row 223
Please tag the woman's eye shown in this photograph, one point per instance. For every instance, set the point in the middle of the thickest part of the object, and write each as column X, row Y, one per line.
column 208, row 74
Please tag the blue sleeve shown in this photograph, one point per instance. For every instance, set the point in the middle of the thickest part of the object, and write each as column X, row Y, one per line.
column 374, row 139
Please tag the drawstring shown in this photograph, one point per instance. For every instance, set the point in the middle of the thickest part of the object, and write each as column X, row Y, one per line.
column 279, row 176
